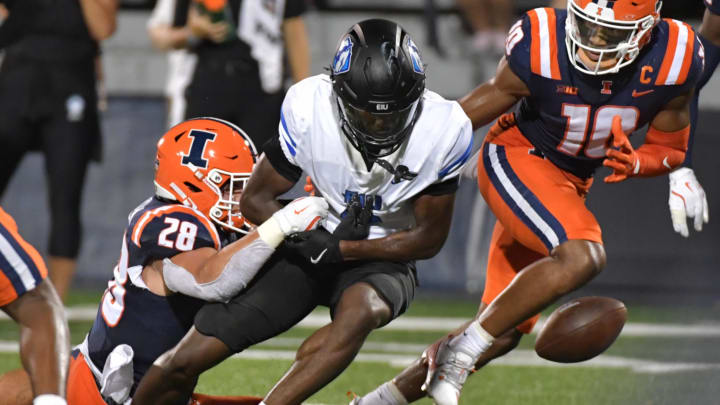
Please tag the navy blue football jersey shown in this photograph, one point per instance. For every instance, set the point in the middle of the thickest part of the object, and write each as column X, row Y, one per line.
column 130, row 313
column 569, row 114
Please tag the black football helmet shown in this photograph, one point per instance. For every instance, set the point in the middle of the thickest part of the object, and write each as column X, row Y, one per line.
column 378, row 79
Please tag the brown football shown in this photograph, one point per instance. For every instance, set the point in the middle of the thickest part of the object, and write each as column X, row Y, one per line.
column 581, row 329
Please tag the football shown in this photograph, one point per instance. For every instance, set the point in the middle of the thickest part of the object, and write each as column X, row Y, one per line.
column 581, row 329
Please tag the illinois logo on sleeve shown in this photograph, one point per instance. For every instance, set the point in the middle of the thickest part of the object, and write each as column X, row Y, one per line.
column 341, row 62
column 417, row 62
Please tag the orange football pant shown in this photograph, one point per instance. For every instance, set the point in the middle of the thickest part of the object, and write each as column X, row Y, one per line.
column 538, row 206
column 82, row 389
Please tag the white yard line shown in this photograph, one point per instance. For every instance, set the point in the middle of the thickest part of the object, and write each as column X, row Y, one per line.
column 437, row 324
column 514, row 358
column 523, row 358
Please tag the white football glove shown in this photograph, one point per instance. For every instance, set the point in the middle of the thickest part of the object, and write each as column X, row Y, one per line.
column 302, row 214
column 687, row 199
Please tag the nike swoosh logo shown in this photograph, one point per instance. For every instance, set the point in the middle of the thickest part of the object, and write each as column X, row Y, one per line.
column 315, row 260
column 637, row 94
column 297, row 212
column 665, row 163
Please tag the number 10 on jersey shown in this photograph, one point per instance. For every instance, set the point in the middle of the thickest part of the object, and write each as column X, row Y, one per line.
column 594, row 143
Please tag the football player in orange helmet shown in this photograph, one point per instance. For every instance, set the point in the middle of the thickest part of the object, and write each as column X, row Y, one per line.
column 583, row 80
column 204, row 164
column 186, row 245
column 604, row 36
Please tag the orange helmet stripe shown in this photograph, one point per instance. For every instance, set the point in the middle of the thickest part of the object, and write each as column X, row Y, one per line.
column 150, row 215
column 543, row 44
column 678, row 55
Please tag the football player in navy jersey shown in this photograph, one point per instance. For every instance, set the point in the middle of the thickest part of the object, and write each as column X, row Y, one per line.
column 187, row 244
column 584, row 80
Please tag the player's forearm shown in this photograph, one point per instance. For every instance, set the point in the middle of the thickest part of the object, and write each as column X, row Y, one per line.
column 413, row 244
column 258, row 207
column 224, row 274
column 100, row 17
column 259, row 198
column 662, row 152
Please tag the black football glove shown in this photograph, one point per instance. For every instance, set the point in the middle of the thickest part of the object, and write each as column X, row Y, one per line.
column 319, row 246
column 356, row 223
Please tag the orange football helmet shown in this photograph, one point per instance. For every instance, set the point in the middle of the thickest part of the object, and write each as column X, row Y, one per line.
column 608, row 31
column 203, row 163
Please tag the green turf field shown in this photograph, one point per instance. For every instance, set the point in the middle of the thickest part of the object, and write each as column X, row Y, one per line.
column 637, row 369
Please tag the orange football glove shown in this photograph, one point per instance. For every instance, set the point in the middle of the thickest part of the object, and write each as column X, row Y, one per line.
column 309, row 187
column 622, row 157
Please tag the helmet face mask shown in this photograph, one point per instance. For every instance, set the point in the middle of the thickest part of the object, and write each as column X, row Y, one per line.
column 226, row 211
column 378, row 134
column 378, row 80
column 205, row 163
column 602, row 40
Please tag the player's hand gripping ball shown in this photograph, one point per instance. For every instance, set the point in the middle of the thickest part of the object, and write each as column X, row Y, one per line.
column 581, row 329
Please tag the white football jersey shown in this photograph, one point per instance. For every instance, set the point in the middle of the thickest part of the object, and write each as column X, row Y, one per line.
column 311, row 138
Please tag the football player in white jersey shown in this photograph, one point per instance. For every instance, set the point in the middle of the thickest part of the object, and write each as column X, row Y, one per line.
column 385, row 153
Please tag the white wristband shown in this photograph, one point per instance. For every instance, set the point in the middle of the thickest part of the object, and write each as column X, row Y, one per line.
column 49, row 399
column 271, row 233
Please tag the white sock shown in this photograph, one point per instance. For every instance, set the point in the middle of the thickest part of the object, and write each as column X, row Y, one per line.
column 473, row 341
column 49, row 399
column 386, row 394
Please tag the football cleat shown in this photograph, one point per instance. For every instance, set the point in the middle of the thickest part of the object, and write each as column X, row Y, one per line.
column 354, row 398
column 448, row 368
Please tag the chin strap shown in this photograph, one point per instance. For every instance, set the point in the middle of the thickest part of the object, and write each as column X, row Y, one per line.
column 399, row 173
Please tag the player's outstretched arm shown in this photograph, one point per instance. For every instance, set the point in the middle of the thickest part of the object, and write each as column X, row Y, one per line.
column 219, row 275
column 494, row 97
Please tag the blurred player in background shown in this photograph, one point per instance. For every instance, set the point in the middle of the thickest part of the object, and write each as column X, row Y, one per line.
column 241, row 46
column 489, row 20
column 48, row 102
column 386, row 154
column 581, row 92
column 181, row 247
column 31, row 301
column 168, row 32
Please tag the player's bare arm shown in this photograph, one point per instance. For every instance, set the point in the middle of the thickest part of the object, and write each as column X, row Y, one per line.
column 494, row 97
column 433, row 215
column 675, row 115
column 258, row 201
column 710, row 28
